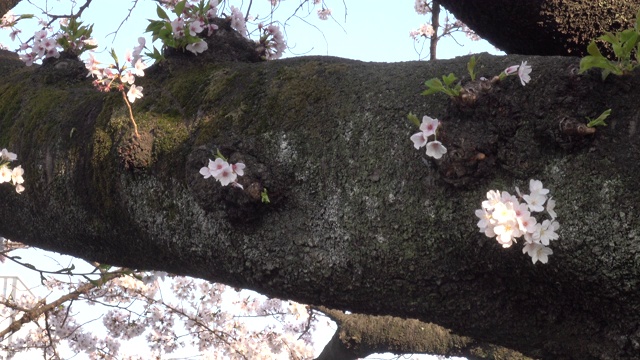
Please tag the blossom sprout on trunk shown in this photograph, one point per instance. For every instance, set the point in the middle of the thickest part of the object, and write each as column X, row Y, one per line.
column 428, row 128
column 8, row 175
column 523, row 70
column 504, row 217
column 223, row 172
column 469, row 92
column 119, row 77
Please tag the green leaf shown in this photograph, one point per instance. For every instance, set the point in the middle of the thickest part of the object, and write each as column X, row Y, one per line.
column 165, row 34
column 414, row 119
column 453, row 92
column 599, row 121
column 179, row 8
column 434, row 83
column 264, row 196
column 589, row 62
column 471, row 66
column 114, row 56
column 191, row 39
column 629, row 44
column 219, row 155
column 593, row 50
column 157, row 55
column 617, row 50
column 430, row 91
column 30, row 266
column 154, row 26
column 449, row 79
column 161, row 13
column 610, row 38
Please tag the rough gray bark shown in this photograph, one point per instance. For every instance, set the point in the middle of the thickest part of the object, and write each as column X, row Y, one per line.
column 359, row 219
column 544, row 27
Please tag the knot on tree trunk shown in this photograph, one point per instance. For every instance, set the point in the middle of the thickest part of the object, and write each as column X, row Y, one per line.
column 238, row 205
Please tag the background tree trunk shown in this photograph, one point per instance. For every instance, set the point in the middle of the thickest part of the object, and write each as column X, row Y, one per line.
column 359, row 220
column 359, row 336
column 435, row 23
column 544, row 27
column 6, row 5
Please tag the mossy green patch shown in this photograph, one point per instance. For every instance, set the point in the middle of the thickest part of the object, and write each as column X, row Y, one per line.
column 170, row 133
column 188, row 89
column 218, row 84
column 9, row 107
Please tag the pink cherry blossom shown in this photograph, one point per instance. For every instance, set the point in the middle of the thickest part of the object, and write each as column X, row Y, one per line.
column 135, row 92
column 435, row 149
column 226, row 176
column 197, row 47
column 537, row 252
column 139, row 67
column 195, row 27
column 427, row 128
column 511, row 69
column 238, row 168
column 523, row 73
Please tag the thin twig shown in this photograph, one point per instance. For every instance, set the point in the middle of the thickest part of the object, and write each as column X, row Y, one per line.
column 115, row 33
column 35, row 313
column 135, row 126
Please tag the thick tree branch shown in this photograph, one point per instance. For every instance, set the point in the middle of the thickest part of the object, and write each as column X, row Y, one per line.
column 358, row 218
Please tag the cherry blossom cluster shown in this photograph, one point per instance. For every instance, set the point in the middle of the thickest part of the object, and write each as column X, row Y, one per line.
column 425, row 30
column 119, row 77
column 8, row 175
column 71, row 36
column 423, row 7
column 224, row 172
column 201, row 314
column 272, row 43
column 505, row 217
column 324, row 13
column 238, row 23
column 193, row 18
column 428, row 128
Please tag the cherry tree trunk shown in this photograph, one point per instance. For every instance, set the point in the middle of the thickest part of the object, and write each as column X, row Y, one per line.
column 359, row 219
